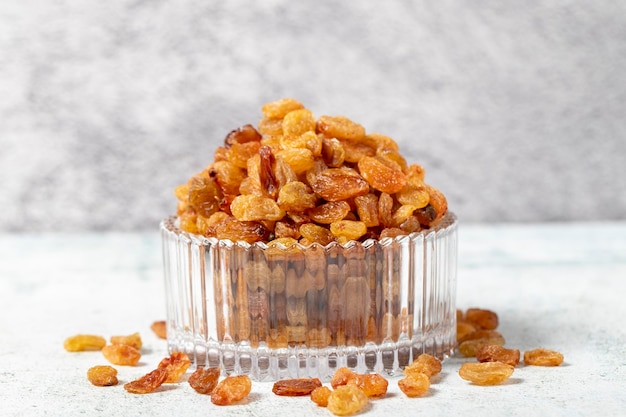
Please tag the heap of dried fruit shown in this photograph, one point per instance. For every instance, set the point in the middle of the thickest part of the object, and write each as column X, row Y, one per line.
column 295, row 178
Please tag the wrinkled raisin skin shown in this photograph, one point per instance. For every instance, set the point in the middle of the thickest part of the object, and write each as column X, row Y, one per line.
column 147, row 383
column 296, row 387
column 231, row 389
column 204, row 380
column 102, row 376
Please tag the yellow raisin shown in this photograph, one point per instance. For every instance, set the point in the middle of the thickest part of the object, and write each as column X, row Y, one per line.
column 298, row 122
column 340, row 127
column 346, row 400
column 159, row 328
column 255, row 208
column 204, row 380
column 147, row 383
column 133, row 340
column 320, row 396
column 367, row 209
column 296, row 196
column 414, row 385
column 346, row 230
column 102, row 375
column 482, row 318
column 315, row 233
column 231, row 389
column 486, row 373
column 543, row 357
column 425, row 364
column 119, row 354
column 497, row 353
column 381, row 176
column 175, row 365
column 279, row 108
column 330, row 212
column 82, row 342
column 246, row 133
column 336, row 184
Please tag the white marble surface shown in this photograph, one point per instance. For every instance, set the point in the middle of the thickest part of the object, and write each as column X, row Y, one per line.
column 560, row 286
column 515, row 109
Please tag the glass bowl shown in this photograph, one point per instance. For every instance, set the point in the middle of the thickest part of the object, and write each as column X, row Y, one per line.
column 275, row 312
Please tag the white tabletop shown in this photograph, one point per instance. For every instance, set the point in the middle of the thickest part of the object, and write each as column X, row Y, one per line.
column 557, row 286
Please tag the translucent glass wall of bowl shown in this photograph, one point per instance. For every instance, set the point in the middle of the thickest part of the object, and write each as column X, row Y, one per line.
column 276, row 312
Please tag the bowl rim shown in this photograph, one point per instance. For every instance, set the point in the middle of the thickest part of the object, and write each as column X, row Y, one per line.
column 171, row 224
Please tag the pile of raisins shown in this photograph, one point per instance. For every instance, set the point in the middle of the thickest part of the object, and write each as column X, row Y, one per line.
column 294, row 178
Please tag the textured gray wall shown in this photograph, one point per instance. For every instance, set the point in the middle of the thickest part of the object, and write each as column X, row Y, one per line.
column 515, row 109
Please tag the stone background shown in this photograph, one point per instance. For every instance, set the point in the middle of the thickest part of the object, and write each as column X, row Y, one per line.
column 516, row 109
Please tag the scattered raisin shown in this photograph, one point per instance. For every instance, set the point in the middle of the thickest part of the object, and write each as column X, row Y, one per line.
column 231, row 389
column 175, row 365
column 147, row 383
column 497, row 353
column 346, row 400
column 204, row 380
column 414, row 385
column 296, row 387
column 486, row 373
column 543, row 357
column 82, row 342
column 102, row 375
column 124, row 355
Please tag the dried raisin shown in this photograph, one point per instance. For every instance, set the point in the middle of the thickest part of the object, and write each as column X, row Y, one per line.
column 175, row 365
column 231, row 389
column 102, row 375
column 204, row 380
column 147, row 383
column 82, row 342
column 486, row 373
column 295, row 387
column 346, row 400
column 123, row 355
column 543, row 357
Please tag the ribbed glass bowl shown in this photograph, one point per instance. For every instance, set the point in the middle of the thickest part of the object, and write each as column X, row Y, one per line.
column 275, row 312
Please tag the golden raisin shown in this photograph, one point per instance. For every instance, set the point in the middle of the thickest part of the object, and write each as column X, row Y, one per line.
column 497, row 353
column 342, row 376
column 255, row 208
column 475, row 340
column 279, row 108
column 102, row 376
column 295, row 387
column 381, row 176
column 298, row 122
column 123, row 355
column 133, row 340
column 486, row 373
column 231, row 389
column 238, row 230
column 415, row 384
column 296, row 196
column 346, row 230
column 81, row 342
column 315, row 233
column 175, row 365
column 340, row 127
column 147, row 383
column 204, row 380
column 335, row 184
column 482, row 318
column 373, row 385
column 320, row 396
column 543, row 357
column 330, row 212
column 367, row 209
column 463, row 328
column 159, row 328
column 424, row 364
column 246, row 133
column 346, row 400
